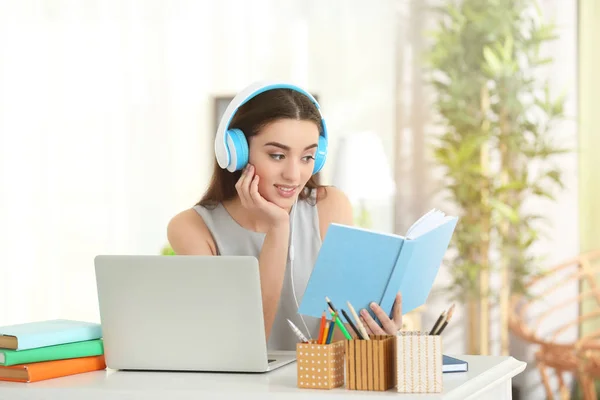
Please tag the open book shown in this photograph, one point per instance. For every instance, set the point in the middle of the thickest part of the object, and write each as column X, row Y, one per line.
column 363, row 266
column 427, row 222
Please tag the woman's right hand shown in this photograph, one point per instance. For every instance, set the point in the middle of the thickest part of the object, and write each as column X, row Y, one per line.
column 247, row 189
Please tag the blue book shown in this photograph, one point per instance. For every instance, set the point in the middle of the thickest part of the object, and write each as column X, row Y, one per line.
column 361, row 266
column 451, row 364
column 37, row 334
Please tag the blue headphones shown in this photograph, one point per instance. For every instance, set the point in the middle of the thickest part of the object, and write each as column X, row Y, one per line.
column 231, row 146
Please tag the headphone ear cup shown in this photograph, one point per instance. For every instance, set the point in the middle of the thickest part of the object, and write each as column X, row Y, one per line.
column 321, row 154
column 237, row 145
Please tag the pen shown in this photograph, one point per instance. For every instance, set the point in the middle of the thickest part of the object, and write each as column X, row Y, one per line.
column 352, row 325
column 359, row 324
column 340, row 325
column 297, row 331
column 331, row 304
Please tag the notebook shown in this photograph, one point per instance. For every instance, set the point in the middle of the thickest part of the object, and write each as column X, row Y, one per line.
column 363, row 266
column 32, row 335
column 451, row 364
column 58, row 352
column 40, row 371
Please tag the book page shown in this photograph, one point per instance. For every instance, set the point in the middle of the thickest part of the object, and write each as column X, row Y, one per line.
column 417, row 222
column 427, row 223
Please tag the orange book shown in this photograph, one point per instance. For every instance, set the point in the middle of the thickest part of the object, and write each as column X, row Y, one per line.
column 40, row 371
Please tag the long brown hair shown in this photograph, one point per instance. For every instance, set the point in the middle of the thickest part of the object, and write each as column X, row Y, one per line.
column 259, row 111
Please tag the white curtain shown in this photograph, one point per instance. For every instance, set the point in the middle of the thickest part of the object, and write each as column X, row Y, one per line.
column 106, row 119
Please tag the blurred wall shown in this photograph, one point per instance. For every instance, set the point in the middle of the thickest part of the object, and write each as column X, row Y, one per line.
column 106, row 119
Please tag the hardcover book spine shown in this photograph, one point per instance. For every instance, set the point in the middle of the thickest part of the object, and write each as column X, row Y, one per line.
column 389, row 295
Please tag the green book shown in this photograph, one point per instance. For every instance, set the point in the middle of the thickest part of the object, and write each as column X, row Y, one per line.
column 59, row 352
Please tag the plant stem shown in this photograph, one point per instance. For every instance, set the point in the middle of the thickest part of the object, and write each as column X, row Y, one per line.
column 473, row 337
column 484, row 247
column 505, row 248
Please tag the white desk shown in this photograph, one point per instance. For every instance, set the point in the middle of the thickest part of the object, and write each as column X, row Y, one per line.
column 489, row 377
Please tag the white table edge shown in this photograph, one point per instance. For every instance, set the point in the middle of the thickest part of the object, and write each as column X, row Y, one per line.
column 502, row 372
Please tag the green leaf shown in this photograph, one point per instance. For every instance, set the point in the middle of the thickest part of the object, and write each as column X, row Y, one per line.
column 505, row 210
column 515, row 185
column 543, row 61
column 507, row 49
column 555, row 176
column 538, row 191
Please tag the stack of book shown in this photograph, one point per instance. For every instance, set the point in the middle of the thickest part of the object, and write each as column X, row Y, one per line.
column 42, row 350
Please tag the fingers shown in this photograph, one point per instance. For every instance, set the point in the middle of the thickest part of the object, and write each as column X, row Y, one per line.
column 371, row 324
column 247, row 182
column 243, row 184
column 369, row 332
column 397, row 311
column 240, row 181
column 387, row 324
column 254, row 195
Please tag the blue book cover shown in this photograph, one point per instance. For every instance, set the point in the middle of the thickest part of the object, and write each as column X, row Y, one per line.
column 361, row 266
column 451, row 364
column 37, row 334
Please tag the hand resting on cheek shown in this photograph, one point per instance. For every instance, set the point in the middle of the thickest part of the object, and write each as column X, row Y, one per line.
column 251, row 199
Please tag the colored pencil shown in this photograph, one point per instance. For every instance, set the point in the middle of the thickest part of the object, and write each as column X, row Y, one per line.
column 330, row 334
column 325, row 333
column 340, row 325
column 438, row 322
column 448, row 318
column 321, row 328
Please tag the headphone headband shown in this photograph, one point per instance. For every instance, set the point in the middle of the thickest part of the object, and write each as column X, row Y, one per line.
column 224, row 157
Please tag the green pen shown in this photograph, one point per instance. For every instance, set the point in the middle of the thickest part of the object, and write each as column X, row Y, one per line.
column 340, row 325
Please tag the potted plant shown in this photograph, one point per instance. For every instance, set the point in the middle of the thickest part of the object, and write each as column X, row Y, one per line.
column 497, row 115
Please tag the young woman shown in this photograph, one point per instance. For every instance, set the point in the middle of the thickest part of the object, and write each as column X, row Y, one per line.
column 265, row 200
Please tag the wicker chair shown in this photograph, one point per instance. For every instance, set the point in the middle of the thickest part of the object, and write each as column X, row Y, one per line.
column 581, row 356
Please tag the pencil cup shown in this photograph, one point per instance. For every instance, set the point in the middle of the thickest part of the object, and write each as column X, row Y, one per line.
column 419, row 362
column 370, row 364
column 320, row 366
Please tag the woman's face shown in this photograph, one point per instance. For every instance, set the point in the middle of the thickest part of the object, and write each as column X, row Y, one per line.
column 283, row 155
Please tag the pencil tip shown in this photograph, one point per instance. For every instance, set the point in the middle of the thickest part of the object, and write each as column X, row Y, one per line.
column 327, row 299
column 450, row 312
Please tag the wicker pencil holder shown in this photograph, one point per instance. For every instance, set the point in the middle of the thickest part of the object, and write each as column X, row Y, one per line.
column 320, row 366
column 419, row 363
column 370, row 364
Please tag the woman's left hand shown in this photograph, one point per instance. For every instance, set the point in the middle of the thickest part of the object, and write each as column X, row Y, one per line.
column 388, row 326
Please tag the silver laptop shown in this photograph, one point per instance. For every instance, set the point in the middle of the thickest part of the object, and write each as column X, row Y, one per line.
column 183, row 313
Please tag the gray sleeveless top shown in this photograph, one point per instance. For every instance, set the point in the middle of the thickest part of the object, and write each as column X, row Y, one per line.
column 232, row 239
